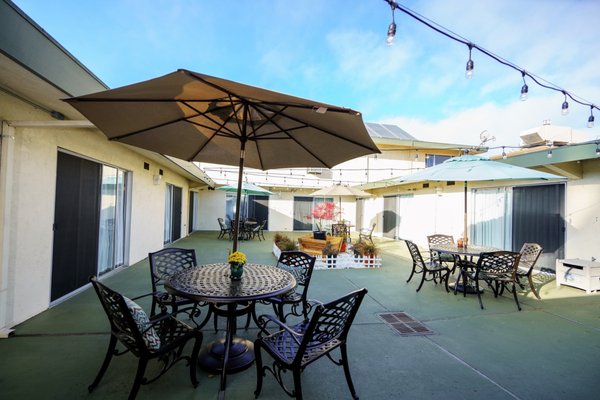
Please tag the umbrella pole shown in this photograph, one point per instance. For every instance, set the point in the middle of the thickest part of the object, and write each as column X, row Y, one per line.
column 239, row 196
column 465, row 235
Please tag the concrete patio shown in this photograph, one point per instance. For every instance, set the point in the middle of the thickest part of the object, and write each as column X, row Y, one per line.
column 550, row 350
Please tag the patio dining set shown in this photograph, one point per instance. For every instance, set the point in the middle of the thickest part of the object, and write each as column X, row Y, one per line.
column 250, row 229
column 182, row 291
column 497, row 269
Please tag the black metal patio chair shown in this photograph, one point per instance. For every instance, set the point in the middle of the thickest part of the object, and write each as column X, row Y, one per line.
column 530, row 252
column 367, row 234
column 163, row 264
column 301, row 265
column 258, row 230
column 446, row 258
column 225, row 229
column 498, row 269
column 429, row 270
column 294, row 348
column 161, row 338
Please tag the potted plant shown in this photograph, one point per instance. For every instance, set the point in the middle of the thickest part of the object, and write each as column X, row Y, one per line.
column 322, row 211
column 369, row 251
column 331, row 253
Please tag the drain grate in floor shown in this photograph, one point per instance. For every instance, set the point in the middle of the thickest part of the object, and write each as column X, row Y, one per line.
column 404, row 324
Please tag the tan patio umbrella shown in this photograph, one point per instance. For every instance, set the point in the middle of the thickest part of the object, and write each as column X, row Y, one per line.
column 340, row 190
column 197, row 117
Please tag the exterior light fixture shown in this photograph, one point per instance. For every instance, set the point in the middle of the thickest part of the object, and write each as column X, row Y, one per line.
column 590, row 123
column 470, row 64
column 565, row 105
column 392, row 28
column 524, row 88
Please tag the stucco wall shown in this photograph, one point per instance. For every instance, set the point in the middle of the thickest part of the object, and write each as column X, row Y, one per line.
column 582, row 213
column 28, row 197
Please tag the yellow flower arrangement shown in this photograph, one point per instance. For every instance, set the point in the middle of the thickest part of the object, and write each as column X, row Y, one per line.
column 237, row 257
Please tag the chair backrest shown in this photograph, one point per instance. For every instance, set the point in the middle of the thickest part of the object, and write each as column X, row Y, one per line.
column 299, row 264
column 122, row 323
column 222, row 223
column 414, row 253
column 330, row 322
column 166, row 262
column 530, row 252
column 339, row 230
column 498, row 262
column 439, row 239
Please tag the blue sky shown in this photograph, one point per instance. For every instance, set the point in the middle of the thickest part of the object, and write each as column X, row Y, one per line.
column 335, row 52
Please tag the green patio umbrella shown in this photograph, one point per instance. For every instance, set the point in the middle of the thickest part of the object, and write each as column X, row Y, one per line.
column 247, row 189
column 470, row 168
column 197, row 117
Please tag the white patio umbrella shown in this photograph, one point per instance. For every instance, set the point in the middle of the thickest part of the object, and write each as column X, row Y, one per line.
column 197, row 117
column 470, row 168
column 340, row 190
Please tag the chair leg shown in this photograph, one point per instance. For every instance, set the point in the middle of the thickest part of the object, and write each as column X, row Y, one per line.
column 259, row 369
column 109, row 353
column 515, row 296
column 347, row 371
column 533, row 287
column 139, row 376
column 478, row 293
column 297, row 383
column 193, row 361
column 446, row 281
column 422, row 280
column 411, row 273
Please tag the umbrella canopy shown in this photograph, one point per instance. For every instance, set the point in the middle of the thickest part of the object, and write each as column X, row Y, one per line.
column 198, row 117
column 469, row 168
column 340, row 190
column 247, row 188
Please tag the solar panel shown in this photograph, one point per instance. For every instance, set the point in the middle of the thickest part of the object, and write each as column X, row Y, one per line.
column 387, row 131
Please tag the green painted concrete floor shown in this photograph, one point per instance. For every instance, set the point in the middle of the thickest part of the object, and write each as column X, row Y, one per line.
column 550, row 350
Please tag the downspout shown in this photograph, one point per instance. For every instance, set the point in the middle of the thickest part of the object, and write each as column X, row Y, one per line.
column 6, row 277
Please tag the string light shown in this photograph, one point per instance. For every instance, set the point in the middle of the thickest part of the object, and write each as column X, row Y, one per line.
column 565, row 105
column 524, row 88
column 392, row 28
column 597, row 149
column 470, row 65
column 503, row 153
column 590, row 123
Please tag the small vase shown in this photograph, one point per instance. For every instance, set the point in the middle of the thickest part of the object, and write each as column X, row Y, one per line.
column 237, row 270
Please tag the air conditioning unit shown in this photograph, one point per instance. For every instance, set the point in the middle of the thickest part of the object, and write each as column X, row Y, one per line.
column 322, row 173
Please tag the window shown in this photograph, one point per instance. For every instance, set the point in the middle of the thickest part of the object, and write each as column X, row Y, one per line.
column 113, row 217
column 435, row 159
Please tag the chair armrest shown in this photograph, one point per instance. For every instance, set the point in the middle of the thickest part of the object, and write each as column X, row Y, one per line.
column 162, row 298
column 265, row 319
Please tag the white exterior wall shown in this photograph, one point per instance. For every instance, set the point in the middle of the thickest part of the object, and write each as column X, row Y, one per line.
column 582, row 214
column 28, row 188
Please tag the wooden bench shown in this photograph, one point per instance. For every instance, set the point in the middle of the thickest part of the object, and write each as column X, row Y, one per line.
column 315, row 246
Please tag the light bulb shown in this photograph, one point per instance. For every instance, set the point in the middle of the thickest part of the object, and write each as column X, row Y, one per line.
column 565, row 106
column 597, row 151
column 470, row 64
column 590, row 123
column 469, row 71
column 503, row 154
column 391, row 33
column 524, row 92
column 549, row 155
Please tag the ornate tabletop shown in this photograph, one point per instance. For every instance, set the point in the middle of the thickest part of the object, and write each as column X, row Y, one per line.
column 212, row 283
column 469, row 250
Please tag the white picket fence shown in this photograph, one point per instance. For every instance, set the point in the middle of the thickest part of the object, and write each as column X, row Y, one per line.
column 342, row 261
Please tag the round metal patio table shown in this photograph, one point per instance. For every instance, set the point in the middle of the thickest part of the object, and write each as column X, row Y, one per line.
column 462, row 253
column 212, row 283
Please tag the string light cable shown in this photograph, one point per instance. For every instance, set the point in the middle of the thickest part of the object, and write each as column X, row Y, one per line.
column 470, row 64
